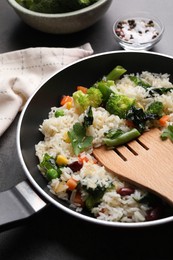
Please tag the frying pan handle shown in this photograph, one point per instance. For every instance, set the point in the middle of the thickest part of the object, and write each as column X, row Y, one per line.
column 18, row 204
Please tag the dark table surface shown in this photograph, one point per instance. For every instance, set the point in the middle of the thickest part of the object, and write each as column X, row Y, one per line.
column 52, row 234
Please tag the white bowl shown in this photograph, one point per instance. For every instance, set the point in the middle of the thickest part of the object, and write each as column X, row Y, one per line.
column 140, row 31
column 62, row 23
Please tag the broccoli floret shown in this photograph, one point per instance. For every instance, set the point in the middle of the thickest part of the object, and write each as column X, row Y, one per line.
column 156, row 108
column 92, row 98
column 81, row 101
column 55, row 6
column 25, row 3
column 119, row 105
column 41, row 6
column 77, row 4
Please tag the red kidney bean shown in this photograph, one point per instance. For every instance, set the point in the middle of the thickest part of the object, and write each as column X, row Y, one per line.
column 153, row 214
column 75, row 166
column 125, row 191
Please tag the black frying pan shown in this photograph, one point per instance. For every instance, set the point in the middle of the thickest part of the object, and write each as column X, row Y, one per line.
column 84, row 72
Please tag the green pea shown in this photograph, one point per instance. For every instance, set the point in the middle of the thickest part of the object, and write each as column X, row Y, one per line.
column 59, row 113
column 51, row 174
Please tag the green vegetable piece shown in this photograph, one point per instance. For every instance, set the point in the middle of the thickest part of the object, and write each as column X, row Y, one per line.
column 167, row 133
column 59, row 113
column 49, row 167
column 139, row 117
column 55, row 6
column 116, row 73
column 48, row 162
column 25, row 3
column 94, row 97
column 139, row 82
column 104, row 87
column 146, row 86
column 92, row 201
column 121, row 139
column 160, row 91
column 78, row 4
column 112, row 134
column 51, row 174
column 81, row 101
column 79, row 140
column 119, row 105
column 94, row 196
column 88, row 119
column 155, row 108
column 45, row 6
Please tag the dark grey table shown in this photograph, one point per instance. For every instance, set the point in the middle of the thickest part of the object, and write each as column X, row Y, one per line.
column 52, row 234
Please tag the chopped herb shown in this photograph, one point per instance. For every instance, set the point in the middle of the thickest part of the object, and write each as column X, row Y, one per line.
column 139, row 118
column 160, row 91
column 49, row 167
column 146, row 86
column 88, row 119
column 138, row 82
column 95, row 195
column 79, row 140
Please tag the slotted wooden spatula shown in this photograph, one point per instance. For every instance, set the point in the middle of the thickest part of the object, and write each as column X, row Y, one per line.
column 146, row 161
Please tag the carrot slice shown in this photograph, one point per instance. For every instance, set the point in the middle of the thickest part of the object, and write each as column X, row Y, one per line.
column 71, row 183
column 83, row 89
column 66, row 99
column 78, row 199
column 83, row 159
column 163, row 120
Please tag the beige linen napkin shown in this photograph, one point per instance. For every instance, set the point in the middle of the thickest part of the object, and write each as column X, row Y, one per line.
column 23, row 71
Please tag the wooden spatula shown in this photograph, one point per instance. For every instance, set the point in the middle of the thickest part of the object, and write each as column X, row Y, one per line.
column 146, row 161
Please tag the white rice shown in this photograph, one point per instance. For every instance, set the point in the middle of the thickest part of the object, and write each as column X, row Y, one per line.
column 113, row 206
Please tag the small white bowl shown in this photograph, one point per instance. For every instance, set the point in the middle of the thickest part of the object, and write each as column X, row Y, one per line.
column 140, row 31
column 63, row 23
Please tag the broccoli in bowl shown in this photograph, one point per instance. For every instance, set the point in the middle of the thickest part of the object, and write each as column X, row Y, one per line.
column 55, row 6
column 60, row 16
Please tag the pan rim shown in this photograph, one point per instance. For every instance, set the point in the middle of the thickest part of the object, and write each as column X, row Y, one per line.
column 46, row 195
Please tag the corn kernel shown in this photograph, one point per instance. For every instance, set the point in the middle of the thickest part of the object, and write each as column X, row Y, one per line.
column 61, row 187
column 61, row 160
column 66, row 138
column 69, row 105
